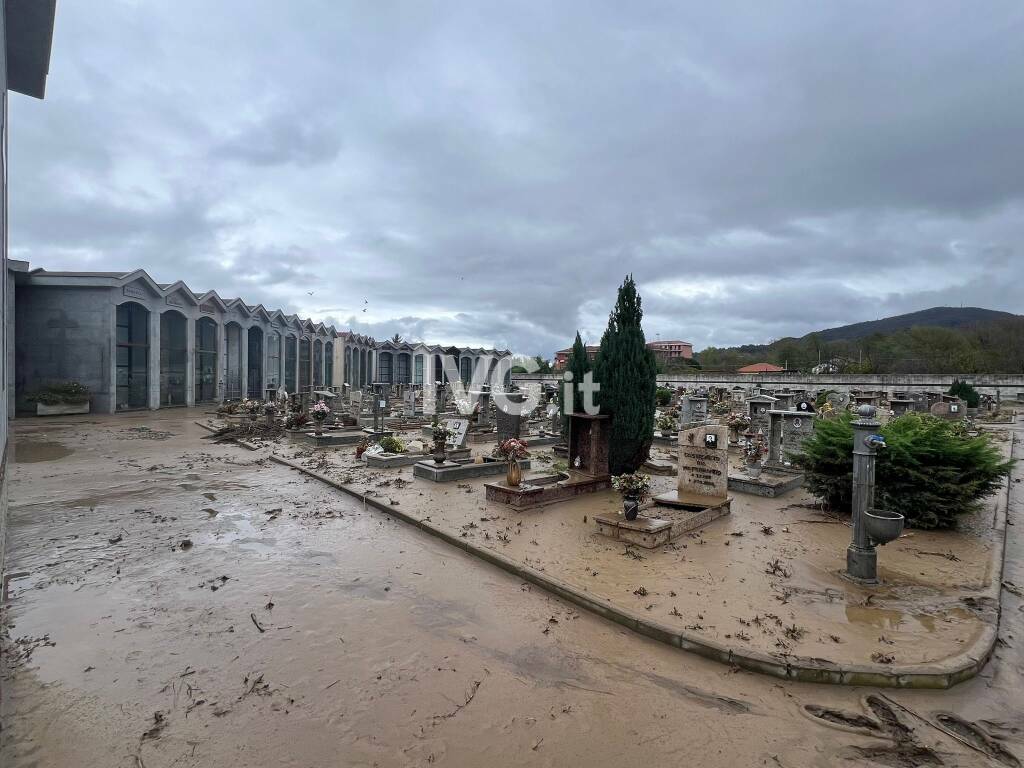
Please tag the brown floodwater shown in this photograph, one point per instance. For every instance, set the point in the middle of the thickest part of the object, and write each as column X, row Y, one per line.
column 32, row 451
column 178, row 603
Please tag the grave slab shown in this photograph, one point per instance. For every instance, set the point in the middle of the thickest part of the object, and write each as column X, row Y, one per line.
column 462, row 470
column 646, row 532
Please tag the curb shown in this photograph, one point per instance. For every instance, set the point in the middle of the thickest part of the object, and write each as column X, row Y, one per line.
column 808, row 670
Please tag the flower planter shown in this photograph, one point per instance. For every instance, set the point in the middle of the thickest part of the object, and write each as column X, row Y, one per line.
column 631, row 507
column 514, row 476
column 754, row 470
column 61, row 409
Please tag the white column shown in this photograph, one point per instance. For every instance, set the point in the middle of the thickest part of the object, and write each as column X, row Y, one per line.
column 154, row 360
column 243, row 360
column 190, row 361
column 222, row 360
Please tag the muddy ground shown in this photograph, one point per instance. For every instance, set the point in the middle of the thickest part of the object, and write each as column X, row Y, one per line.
column 768, row 577
column 176, row 603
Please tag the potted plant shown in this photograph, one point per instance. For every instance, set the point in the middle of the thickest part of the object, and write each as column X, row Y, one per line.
column 440, row 435
column 61, row 399
column 512, row 450
column 737, row 422
column 753, row 452
column 319, row 411
column 634, row 488
column 666, row 424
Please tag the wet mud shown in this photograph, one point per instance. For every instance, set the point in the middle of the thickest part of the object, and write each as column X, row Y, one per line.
column 301, row 629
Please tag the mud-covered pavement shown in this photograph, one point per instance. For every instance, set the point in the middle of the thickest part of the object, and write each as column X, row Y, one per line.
column 171, row 602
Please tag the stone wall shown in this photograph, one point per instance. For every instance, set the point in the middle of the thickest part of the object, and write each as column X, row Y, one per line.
column 1008, row 385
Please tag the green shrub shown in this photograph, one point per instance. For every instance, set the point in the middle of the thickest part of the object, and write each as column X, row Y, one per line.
column 931, row 472
column 965, row 392
column 392, row 444
column 579, row 364
column 662, row 396
column 65, row 393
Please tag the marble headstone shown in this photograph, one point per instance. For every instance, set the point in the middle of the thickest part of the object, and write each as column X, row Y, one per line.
column 704, row 462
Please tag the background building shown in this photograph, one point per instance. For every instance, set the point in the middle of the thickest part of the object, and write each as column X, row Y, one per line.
column 138, row 344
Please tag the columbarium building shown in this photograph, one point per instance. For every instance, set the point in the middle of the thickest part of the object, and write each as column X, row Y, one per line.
column 138, row 344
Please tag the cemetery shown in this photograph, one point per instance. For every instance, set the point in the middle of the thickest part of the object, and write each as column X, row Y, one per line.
column 737, row 547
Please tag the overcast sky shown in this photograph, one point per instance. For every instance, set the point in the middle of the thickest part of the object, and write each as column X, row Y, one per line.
column 484, row 173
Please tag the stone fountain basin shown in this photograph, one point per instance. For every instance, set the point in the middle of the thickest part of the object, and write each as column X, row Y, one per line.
column 883, row 526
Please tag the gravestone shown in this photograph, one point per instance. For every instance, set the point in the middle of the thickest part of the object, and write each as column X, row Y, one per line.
column 588, row 444
column 409, row 402
column 429, row 399
column 786, row 435
column 758, row 407
column 949, row 411
column 693, row 410
column 703, row 482
column 784, row 401
column 459, row 429
column 704, row 462
column 804, row 406
column 555, row 418
column 509, row 424
column 899, row 405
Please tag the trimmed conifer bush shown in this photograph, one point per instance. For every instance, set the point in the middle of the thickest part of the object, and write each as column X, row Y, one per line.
column 965, row 392
column 931, row 470
column 627, row 372
column 579, row 364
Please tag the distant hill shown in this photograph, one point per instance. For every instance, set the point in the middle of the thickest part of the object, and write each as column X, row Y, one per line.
column 936, row 317
column 936, row 340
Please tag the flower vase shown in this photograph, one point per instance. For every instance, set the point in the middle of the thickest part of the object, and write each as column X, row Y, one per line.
column 439, row 453
column 630, row 507
column 754, row 470
column 514, row 476
column 318, row 425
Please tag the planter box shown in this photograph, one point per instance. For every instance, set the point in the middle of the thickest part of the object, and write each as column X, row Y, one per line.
column 64, row 409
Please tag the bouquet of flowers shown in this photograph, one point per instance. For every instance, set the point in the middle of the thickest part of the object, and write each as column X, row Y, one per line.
column 634, row 485
column 737, row 421
column 296, row 420
column 320, row 410
column 441, row 433
column 755, row 449
column 250, row 406
column 666, row 423
column 511, row 449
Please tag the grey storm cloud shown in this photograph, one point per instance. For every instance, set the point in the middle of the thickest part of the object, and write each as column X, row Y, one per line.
column 483, row 174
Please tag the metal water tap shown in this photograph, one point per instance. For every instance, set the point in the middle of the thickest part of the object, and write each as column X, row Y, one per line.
column 875, row 441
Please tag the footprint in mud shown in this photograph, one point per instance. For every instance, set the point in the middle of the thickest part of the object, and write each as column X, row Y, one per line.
column 836, row 717
column 979, row 739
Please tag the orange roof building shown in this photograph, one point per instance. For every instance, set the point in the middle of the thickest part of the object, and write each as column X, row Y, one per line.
column 761, row 368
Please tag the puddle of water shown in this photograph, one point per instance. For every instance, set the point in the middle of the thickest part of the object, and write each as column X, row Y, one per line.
column 894, row 620
column 33, row 451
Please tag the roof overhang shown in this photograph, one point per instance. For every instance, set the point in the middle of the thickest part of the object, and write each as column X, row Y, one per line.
column 28, row 28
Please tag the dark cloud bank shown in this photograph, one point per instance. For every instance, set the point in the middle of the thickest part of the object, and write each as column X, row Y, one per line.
column 487, row 174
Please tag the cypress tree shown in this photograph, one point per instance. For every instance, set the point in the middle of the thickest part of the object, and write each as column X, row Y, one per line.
column 579, row 364
column 627, row 372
